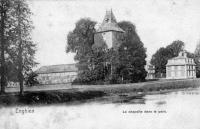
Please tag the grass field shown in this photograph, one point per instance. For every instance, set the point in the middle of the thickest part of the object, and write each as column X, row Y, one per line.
column 87, row 92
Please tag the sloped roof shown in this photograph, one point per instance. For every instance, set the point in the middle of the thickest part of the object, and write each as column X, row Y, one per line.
column 182, row 56
column 57, row 68
column 179, row 57
column 109, row 23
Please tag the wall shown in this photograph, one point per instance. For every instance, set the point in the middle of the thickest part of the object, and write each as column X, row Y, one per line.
column 109, row 38
column 180, row 71
column 57, row 78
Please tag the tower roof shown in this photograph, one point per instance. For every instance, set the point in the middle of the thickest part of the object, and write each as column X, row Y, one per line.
column 109, row 23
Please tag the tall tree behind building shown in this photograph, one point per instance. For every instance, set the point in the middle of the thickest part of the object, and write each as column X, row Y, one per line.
column 132, row 54
column 80, row 41
column 21, row 49
column 197, row 59
column 160, row 58
column 97, row 63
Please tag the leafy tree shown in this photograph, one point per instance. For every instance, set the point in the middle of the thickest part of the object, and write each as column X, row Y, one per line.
column 190, row 55
column 159, row 60
column 97, row 63
column 5, row 6
column 21, row 47
column 111, row 60
column 197, row 59
column 80, row 41
column 11, row 71
column 174, row 48
column 105, row 60
column 162, row 55
column 31, row 79
column 132, row 54
column 197, row 50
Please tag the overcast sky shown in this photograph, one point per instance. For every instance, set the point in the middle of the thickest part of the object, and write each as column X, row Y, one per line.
column 158, row 23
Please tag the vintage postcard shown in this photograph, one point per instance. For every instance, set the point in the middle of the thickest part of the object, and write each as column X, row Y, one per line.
column 99, row 64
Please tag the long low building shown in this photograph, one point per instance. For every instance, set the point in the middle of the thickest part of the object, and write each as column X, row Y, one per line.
column 57, row 74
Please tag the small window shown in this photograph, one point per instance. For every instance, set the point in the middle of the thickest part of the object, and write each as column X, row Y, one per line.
column 106, row 19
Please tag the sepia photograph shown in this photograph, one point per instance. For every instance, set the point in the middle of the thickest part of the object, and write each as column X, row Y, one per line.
column 99, row 64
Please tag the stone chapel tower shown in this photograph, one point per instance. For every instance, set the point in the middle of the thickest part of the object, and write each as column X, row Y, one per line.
column 108, row 31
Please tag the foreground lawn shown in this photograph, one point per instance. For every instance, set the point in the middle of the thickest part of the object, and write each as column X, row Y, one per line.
column 85, row 92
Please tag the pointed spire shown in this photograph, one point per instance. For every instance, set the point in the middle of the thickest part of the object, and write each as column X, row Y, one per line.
column 109, row 17
column 109, row 23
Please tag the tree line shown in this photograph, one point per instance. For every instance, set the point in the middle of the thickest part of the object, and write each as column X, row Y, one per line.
column 99, row 65
column 197, row 59
column 16, row 46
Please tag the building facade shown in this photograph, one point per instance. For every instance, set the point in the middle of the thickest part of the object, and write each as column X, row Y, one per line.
column 180, row 67
column 108, row 32
column 57, row 74
column 150, row 71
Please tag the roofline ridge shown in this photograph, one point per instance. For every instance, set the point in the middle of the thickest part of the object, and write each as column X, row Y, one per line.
column 60, row 64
